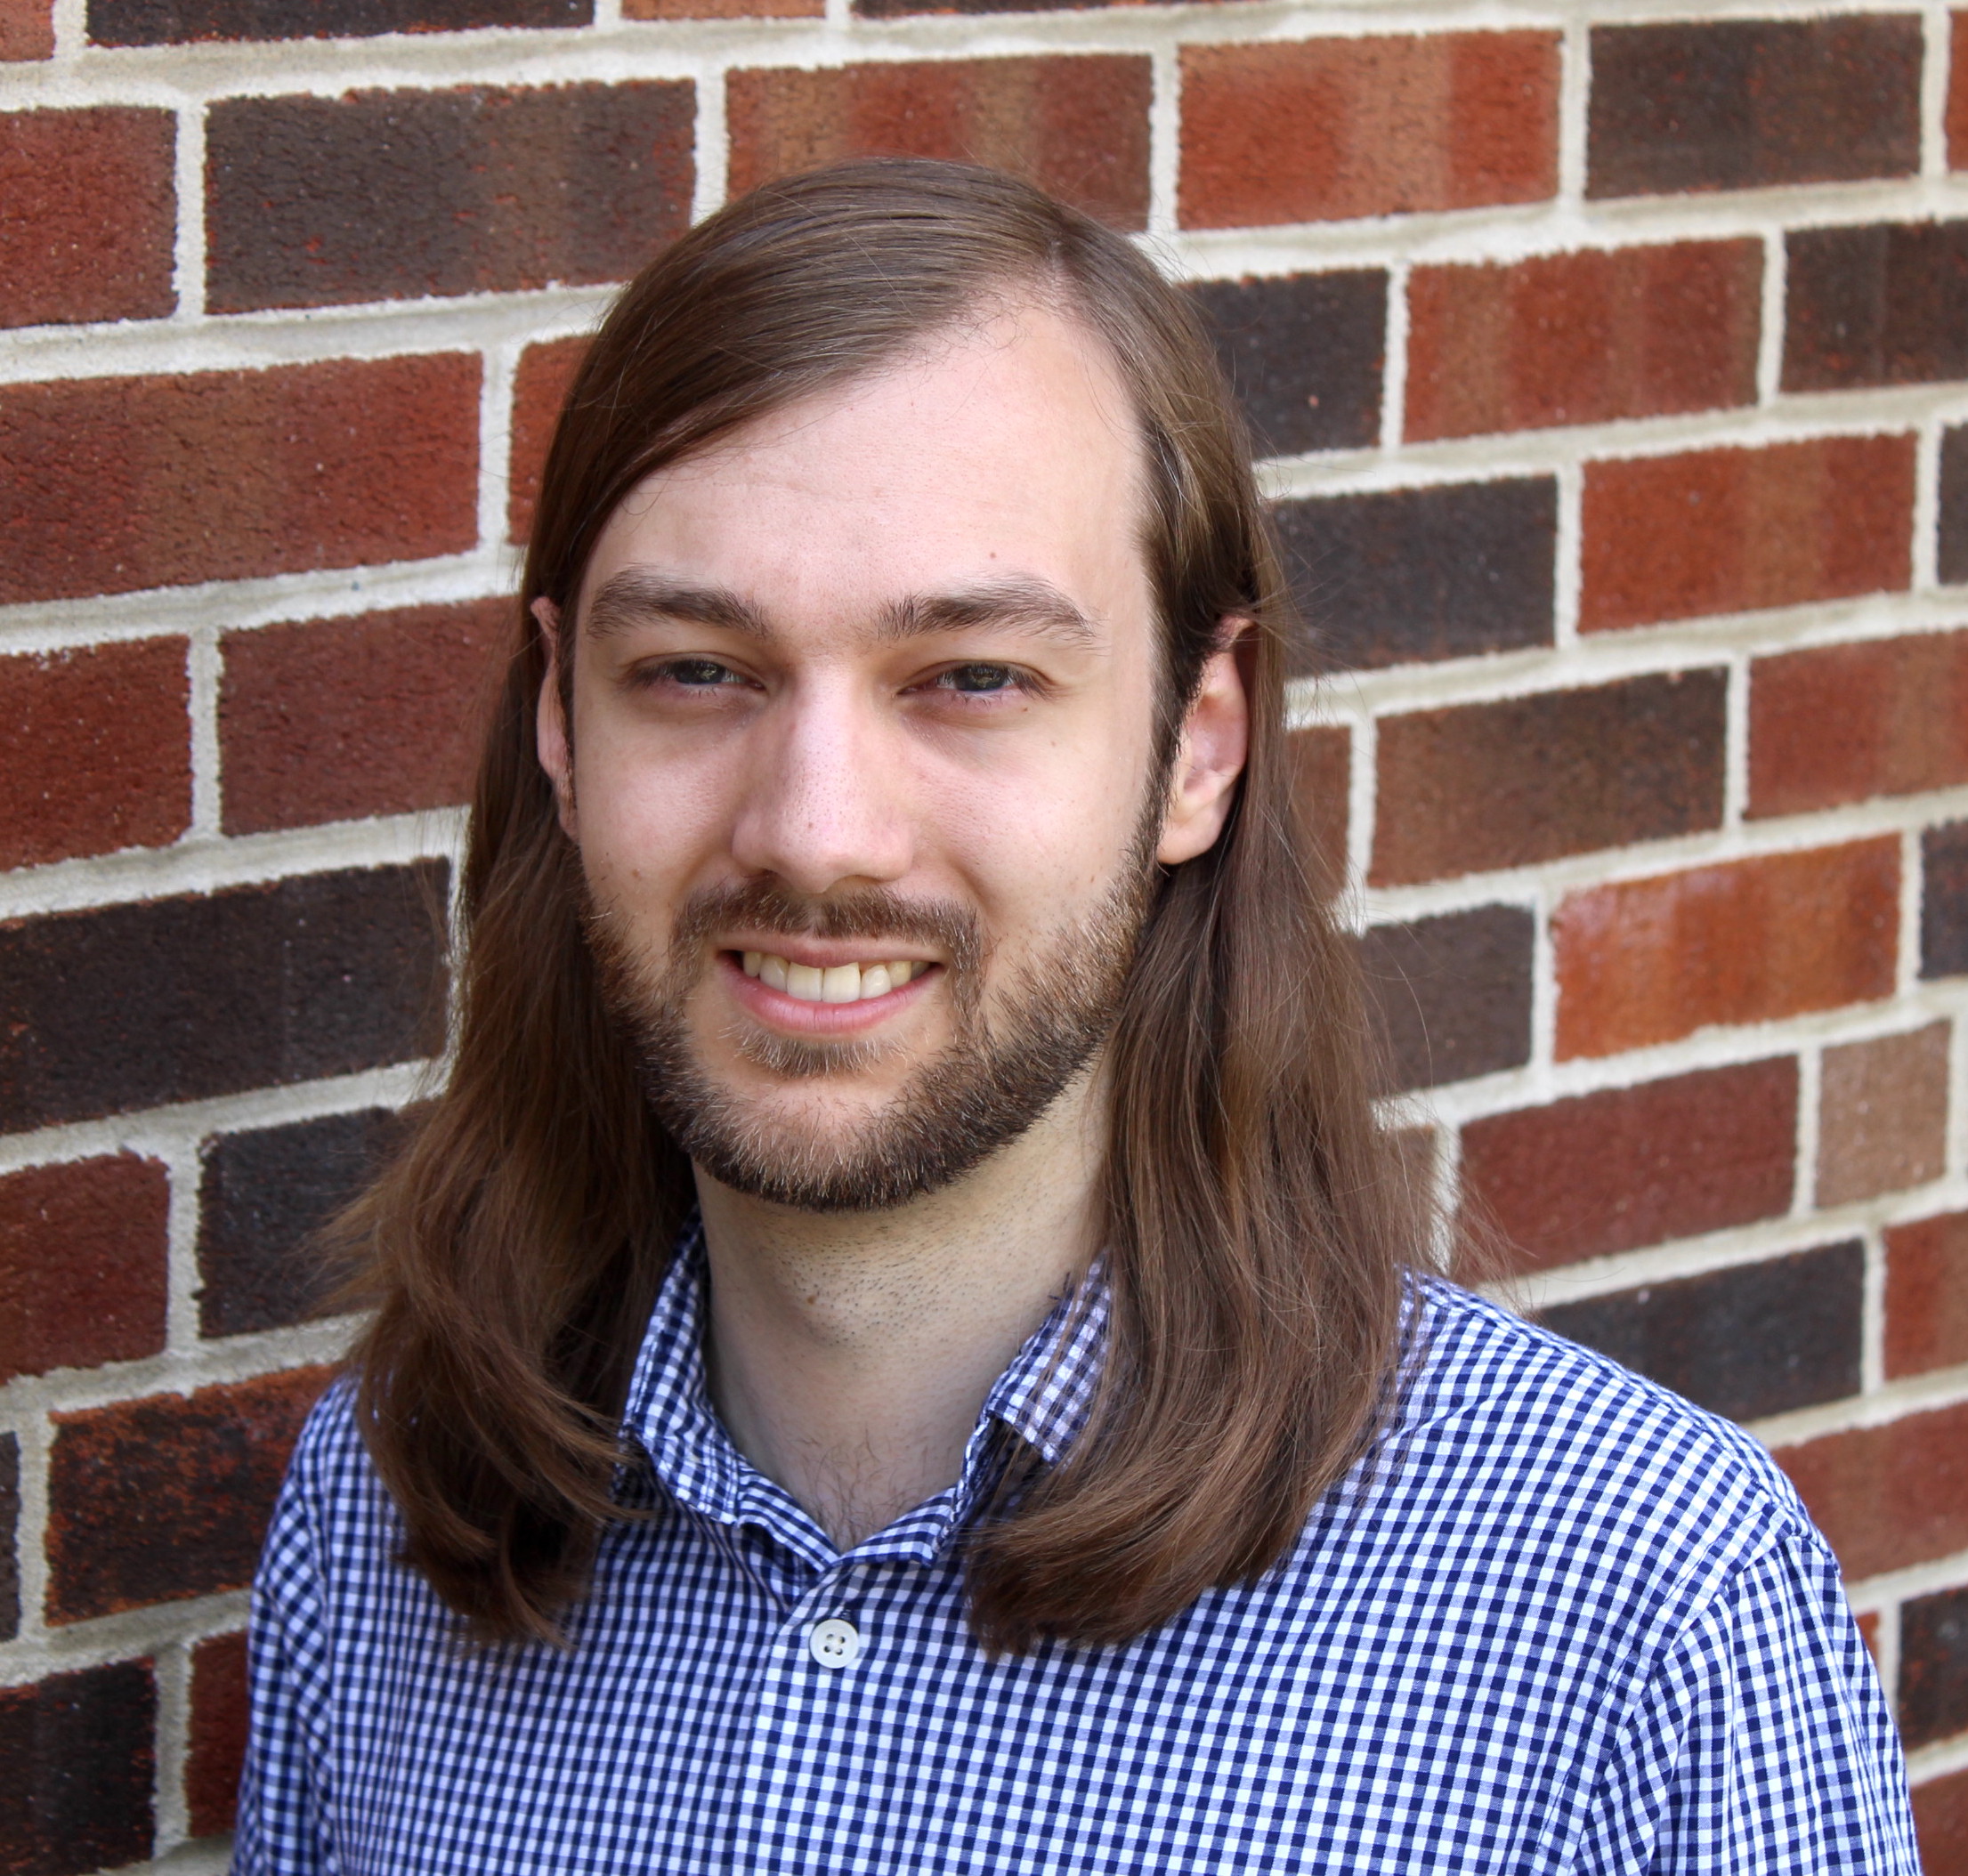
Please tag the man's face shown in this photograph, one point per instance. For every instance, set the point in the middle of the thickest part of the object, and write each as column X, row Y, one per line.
column 859, row 767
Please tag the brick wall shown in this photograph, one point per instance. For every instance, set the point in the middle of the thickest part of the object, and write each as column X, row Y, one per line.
column 1613, row 365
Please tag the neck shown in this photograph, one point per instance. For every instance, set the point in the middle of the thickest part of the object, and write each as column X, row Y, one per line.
column 850, row 1353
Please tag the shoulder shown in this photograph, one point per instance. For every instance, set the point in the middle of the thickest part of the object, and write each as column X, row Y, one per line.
column 1515, row 1437
column 332, row 1499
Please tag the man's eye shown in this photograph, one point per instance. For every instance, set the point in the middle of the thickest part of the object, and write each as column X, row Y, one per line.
column 697, row 673
column 978, row 680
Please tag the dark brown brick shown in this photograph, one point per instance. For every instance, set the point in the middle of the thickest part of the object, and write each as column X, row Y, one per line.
column 1453, row 993
column 154, row 1499
column 1888, row 1496
column 1882, row 305
column 1322, row 773
column 342, row 718
column 1481, row 785
column 1631, row 1166
column 1944, row 900
column 170, row 22
column 1326, row 129
column 183, row 999
column 27, row 30
column 1927, row 1295
column 1734, row 531
column 386, row 195
column 88, row 214
column 263, row 1196
column 10, row 1536
column 1940, row 1805
column 1882, row 1115
column 216, row 1748
column 80, row 1751
column 1305, row 353
column 1406, row 574
column 95, row 750
column 1954, row 505
column 108, row 485
column 1754, row 1340
column 1747, row 103
column 1835, row 724
column 1076, row 127
column 84, row 1256
column 1582, row 338
column 1643, row 961
column 1933, row 1667
column 540, row 388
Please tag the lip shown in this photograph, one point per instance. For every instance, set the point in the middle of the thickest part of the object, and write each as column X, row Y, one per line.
column 824, row 953
column 792, row 1016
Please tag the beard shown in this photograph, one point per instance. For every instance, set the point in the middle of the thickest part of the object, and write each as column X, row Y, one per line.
column 1003, row 1067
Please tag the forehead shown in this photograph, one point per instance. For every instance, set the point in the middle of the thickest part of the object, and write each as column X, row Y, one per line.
column 1005, row 447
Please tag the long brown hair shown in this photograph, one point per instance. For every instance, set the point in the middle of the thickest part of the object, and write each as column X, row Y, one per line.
column 1255, row 1225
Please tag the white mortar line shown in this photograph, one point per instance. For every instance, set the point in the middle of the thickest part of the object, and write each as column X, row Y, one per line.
column 1872, row 1343
column 1574, row 108
column 1809, row 1117
column 1736, row 744
column 188, row 253
column 1926, row 542
column 172, row 1667
column 1936, row 25
column 1164, row 147
column 186, row 1176
column 1394, row 377
column 498, row 368
column 1906, row 963
column 711, row 145
column 1886, row 1643
column 1772, row 314
column 203, row 667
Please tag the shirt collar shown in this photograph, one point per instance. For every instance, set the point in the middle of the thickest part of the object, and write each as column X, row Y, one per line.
column 1043, row 1397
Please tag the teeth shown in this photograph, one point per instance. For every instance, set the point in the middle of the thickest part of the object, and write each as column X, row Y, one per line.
column 837, row 984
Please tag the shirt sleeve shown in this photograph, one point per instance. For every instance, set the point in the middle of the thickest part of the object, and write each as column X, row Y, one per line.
column 284, row 1788
column 1761, row 1743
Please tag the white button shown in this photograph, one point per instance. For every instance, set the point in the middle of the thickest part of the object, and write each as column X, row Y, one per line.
column 835, row 1643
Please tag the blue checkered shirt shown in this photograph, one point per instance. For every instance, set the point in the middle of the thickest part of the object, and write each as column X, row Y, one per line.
column 1564, row 1622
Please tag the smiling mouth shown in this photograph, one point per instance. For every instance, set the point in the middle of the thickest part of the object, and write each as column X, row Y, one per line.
column 834, row 983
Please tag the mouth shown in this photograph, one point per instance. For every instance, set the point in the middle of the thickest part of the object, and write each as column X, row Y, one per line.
column 854, row 982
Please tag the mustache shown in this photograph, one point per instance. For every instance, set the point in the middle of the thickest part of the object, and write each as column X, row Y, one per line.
column 869, row 912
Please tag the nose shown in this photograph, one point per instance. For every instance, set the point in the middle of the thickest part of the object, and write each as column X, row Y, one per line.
column 825, row 803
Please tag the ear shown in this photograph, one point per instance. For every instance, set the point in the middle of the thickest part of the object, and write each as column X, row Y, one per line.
column 550, row 736
column 1216, row 736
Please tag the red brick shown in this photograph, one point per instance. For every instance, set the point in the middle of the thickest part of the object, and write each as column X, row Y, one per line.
column 1732, row 530
column 540, row 388
column 88, row 212
column 1941, row 1808
column 146, row 22
column 1582, row 338
column 153, row 1499
column 1868, row 1631
column 1957, row 152
column 83, row 1264
column 1888, row 1496
column 1927, row 1295
column 1647, row 960
column 1076, row 127
column 1882, row 1115
column 217, row 1742
column 344, row 718
column 1476, row 787
column 27, row 29
column 1631, row 1166
column 95, row 750
column 1845, row 722
column 1322, row 769
column 1328, row 129
column 110, row 485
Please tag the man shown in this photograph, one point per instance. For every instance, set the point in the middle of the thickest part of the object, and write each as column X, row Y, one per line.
column 900, row 1345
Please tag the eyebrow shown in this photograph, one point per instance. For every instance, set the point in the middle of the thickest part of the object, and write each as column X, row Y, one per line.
column 1033, row 607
